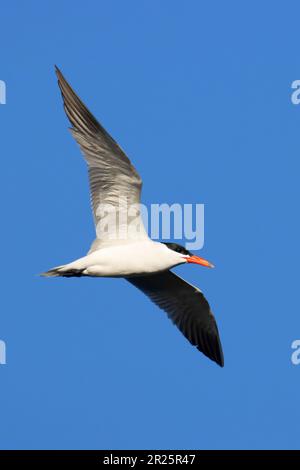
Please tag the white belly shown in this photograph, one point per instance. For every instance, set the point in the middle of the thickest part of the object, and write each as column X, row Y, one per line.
column 143, row 257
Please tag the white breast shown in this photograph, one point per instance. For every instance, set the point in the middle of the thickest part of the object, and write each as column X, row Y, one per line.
column 142, row 257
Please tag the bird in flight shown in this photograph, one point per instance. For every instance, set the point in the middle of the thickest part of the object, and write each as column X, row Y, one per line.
column 123, row 248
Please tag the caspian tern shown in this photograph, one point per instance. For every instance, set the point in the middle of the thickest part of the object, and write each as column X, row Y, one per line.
column 143, row 262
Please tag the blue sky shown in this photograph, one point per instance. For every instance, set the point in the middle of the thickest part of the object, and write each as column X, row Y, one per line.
column 199, row 95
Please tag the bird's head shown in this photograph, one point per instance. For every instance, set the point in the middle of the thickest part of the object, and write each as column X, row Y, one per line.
column 187, row 256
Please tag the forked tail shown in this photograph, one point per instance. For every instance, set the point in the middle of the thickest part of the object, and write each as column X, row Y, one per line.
column 63, row 271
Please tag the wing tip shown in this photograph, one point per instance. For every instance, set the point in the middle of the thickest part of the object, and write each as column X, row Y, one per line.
column 220, row 361
column 60, row 80
column 213, row 350
column 216, row 357
column 219, row 357
column 57, row 70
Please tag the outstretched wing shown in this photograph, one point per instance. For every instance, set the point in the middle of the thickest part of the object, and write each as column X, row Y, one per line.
column 187, row 307
column 114, row 183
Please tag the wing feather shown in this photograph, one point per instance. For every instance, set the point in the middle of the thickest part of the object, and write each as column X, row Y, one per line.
column 114, row 182
column 187, row 307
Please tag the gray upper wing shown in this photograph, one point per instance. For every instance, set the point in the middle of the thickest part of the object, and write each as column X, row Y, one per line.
column 114, row 182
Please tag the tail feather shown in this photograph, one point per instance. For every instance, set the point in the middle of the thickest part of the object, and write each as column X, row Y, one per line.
column 62, row 271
